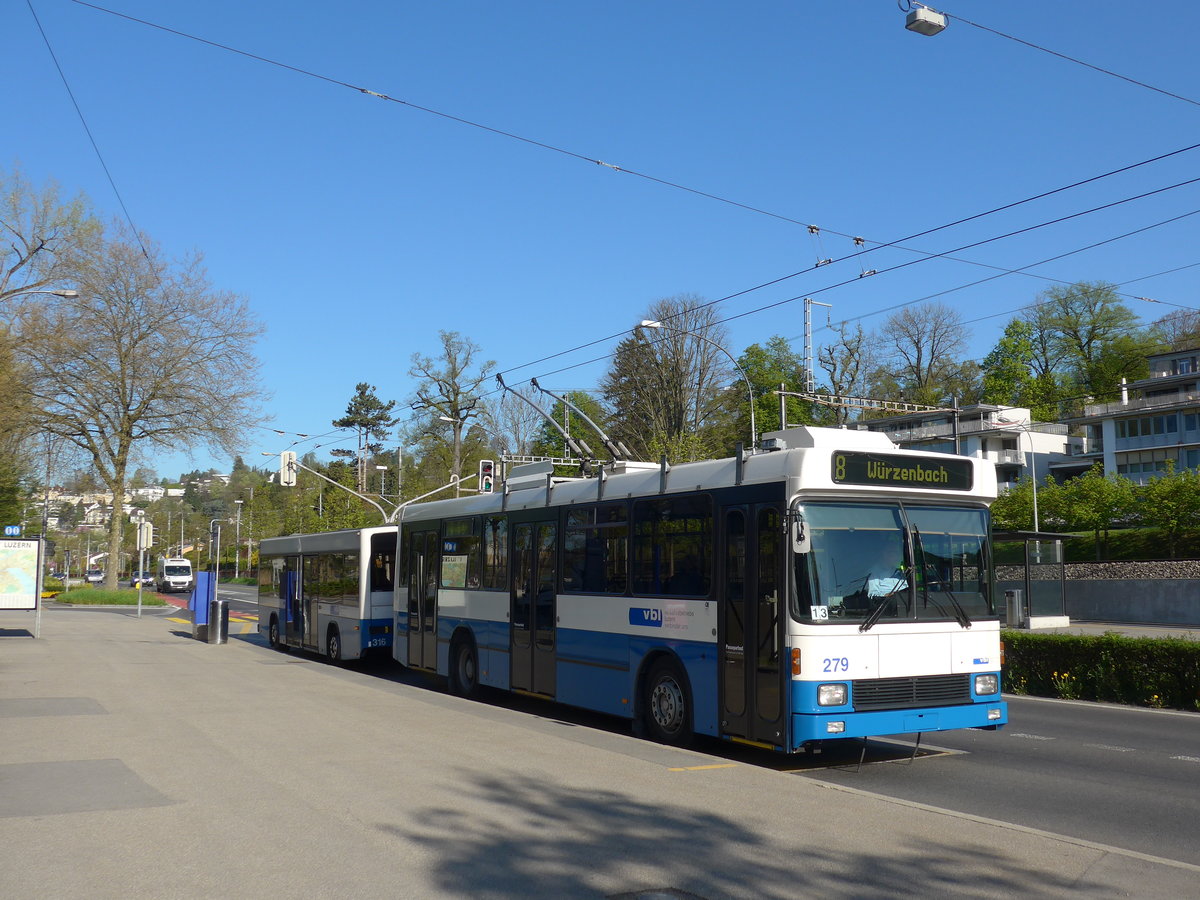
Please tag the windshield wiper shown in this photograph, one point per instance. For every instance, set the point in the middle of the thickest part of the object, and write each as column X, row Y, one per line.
column 960, row 614
column 876, row 614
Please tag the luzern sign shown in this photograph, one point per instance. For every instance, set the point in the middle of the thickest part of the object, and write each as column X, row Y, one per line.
column 889, row 470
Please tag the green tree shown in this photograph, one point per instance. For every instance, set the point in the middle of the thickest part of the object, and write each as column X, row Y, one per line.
column 1092, row 502
column 768, row 366
column 1013, row 509
column 369, row 418
column 1090, row 338
column 1171, row 503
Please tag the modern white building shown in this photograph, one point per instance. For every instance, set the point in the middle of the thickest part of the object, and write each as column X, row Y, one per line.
column 1155, row 423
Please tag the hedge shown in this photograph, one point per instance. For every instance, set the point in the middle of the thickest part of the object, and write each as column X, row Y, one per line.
column 1157, row 672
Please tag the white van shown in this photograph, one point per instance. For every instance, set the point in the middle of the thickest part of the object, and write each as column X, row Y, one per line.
column 174, row 574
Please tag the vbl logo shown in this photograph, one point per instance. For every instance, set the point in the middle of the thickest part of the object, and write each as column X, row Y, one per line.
column 649, row 618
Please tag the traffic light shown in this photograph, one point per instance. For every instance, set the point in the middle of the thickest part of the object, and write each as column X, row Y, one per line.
column 487, row 470
column 145, row 535
column 287, row 468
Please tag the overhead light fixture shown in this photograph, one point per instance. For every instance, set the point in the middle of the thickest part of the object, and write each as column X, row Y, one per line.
column 926, row 21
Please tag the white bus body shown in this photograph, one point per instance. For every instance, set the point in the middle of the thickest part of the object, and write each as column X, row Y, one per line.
column 331, row 592
column 737, row 597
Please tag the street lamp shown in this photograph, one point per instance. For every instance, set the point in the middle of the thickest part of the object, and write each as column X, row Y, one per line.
column 382, row 470
column 651, row 323
column 237, row 543
column 65, row 293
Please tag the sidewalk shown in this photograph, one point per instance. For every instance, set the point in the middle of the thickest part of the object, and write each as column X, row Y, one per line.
column 139, row 763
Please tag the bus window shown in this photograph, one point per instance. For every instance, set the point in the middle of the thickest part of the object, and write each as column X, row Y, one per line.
column 596, row 549
column 671, row 539
column 495, row 552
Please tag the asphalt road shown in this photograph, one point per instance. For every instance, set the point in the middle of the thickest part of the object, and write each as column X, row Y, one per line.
column 1115, row 775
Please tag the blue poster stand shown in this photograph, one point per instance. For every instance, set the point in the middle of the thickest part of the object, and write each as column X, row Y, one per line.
column 202, row 595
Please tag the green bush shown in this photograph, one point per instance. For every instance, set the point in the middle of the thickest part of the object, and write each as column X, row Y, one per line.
column 1157, row 672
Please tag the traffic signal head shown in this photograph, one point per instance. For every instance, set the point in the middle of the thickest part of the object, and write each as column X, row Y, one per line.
column 487, row 471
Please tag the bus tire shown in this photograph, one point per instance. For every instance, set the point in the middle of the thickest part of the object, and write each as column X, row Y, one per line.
column 333, row 644
column 464, row 670
column 273, row 634
column 666, row 704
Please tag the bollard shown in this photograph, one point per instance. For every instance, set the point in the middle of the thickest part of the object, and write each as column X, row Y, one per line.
column 218, row 621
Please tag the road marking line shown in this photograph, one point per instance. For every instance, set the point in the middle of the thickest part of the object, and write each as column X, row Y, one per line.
column 1110, row 747
column 1187, row 758
column 1029, row 737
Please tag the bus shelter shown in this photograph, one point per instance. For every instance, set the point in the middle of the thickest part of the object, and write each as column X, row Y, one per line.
column 1031, row 575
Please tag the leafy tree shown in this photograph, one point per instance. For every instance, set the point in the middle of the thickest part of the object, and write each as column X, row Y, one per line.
column 369, row 418
column 147, row 355
column 768, row 366
column 1093, row 502
column 1013, row 509
column 1090, row 337
column 1171, row 503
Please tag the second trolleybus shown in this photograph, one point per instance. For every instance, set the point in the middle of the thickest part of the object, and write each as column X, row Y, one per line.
column 828, row 586
column 331, row 592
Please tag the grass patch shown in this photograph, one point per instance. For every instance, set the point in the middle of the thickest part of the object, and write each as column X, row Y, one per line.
column 101, row 597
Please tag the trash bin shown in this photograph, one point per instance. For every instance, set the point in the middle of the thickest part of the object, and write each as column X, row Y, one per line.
column 1014, row 604
column 218, row 621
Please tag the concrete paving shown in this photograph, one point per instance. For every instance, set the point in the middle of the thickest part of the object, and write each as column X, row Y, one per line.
column 136, row 762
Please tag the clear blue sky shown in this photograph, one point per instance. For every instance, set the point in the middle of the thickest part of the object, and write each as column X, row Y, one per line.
column 357, row 228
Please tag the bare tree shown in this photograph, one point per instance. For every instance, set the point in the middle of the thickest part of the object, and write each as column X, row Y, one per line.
column 846, row 361
column 147, row 356
column 449, row 389
column 43, row 238
column 923, row 345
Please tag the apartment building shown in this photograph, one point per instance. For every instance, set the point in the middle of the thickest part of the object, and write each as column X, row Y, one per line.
column 1154, row 424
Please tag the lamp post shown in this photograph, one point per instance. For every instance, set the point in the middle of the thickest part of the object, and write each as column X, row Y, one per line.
column 651, row 323
column 382, row 470
column 237, row 543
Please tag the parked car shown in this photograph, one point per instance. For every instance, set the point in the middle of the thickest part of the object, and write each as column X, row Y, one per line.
column 94, row 576
column 141, row 578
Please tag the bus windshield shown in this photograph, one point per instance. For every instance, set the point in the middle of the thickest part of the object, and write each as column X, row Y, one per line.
column 879, row 562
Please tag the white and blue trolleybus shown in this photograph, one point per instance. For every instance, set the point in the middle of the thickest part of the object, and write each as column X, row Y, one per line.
column 331, row 592
column 825, row 586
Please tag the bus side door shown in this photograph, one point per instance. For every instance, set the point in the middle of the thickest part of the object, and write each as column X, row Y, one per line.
column 534, row 607
column 752, row 553
column 422, row 599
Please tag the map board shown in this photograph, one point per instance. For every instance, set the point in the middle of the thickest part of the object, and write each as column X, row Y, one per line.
column 19, row 574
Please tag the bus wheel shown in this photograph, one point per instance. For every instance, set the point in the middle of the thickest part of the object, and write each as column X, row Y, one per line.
column 464, row 675
column 665, row 708
column 333, row 645
column 273, row 634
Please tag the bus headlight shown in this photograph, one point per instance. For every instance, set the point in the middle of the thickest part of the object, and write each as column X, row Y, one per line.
column 986, row 684
column 831, row 695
